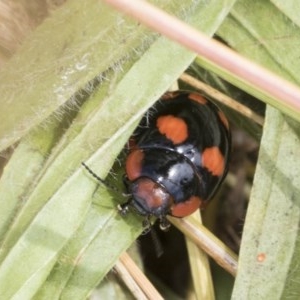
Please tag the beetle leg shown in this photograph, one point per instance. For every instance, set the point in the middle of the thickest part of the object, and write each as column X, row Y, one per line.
column 164, row 224
column 124, row 208
column 147, row 225
column 126, row 181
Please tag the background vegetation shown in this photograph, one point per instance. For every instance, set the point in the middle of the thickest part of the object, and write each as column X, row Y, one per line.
column 76, row 77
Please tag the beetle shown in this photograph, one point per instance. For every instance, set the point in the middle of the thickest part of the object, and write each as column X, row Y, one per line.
column 177, row 157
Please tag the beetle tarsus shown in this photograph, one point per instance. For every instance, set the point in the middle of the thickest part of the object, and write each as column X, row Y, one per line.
column 123, row 208
column 147, row 225
column 164, row 224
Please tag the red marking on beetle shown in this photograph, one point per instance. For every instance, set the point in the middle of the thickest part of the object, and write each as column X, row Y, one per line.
column 134, row 164
column 186, row 208
column 223, row 119
column 213, row 160
column 153, row 194
column 261, row 257
column 174, row 128
column 197, row 98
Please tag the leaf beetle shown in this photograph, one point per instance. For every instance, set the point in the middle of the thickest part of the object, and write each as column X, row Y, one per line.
column 177, row 157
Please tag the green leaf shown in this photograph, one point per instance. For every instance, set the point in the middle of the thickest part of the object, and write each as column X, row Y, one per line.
column 77, row 44
column 289, row 9
column 47, row 233
column 92, row 252
column 248, row 30
column 261, row 41
column 268, row 263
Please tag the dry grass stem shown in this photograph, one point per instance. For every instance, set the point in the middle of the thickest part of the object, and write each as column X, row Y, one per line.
column 286, row 93
column 135, row 279
column 222, row 98
column 200, row 268
column 204, row 239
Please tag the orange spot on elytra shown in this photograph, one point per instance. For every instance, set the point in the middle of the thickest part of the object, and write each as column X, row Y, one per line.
column 186, row 208
column 213, row 160
column 198, row 98
column 134, row 164
column 174, row 128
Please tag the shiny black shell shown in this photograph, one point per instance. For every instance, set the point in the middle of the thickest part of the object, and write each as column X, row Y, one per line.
column 180, row 150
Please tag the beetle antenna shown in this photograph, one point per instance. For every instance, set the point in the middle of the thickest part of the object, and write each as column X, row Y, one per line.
column 100, row 179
